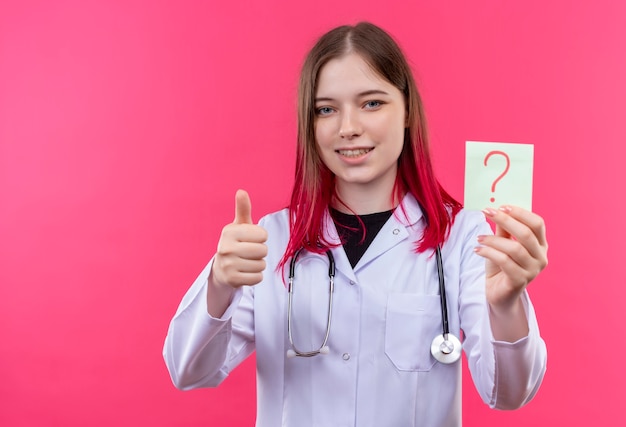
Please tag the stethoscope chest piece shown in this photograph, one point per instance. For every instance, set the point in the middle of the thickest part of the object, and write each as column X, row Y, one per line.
column 446, row 349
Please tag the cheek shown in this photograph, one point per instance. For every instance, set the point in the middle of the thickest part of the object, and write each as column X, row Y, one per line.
column 389, row 128
column 319, row 143
column 400, row 126
column 322, row 135
column 396, row 136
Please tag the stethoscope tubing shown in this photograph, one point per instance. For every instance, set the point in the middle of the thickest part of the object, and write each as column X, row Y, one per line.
column 323, row 349
column 442, row 293
column 446, row 348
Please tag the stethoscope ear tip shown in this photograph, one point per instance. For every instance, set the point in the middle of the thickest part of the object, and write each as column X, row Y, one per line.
column 291, row 354
column 324, row 350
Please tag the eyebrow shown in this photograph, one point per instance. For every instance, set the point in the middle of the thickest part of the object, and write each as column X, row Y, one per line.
column 359, row 95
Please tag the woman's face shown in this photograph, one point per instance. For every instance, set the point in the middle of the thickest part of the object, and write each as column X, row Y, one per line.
column 359, row 125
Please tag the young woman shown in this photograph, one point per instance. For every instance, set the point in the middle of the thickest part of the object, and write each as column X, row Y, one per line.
column 368, row 217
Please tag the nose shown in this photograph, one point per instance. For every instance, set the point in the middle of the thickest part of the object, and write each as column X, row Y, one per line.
column 350, row 125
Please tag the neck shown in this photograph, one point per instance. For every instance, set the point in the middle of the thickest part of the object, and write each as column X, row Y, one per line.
column 363, row 199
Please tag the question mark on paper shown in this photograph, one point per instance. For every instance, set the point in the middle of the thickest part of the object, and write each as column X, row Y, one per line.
column 508, row 165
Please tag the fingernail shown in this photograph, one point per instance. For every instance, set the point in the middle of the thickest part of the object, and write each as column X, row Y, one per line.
column 506, row 209
column 480, row 239
column 489, row 212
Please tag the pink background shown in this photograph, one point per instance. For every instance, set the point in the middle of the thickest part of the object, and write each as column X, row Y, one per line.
column 127, row 126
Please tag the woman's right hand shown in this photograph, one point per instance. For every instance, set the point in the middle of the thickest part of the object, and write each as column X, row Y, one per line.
column 241, row 251
column 240, row 258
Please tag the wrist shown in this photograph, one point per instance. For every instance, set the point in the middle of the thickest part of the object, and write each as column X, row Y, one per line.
column 508, row 320
column 219, row 296
column 507, row 306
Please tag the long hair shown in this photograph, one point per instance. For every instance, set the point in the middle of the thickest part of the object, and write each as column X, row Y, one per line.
column 314, row 185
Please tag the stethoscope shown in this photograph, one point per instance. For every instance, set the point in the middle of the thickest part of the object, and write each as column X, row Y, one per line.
column 445, row 348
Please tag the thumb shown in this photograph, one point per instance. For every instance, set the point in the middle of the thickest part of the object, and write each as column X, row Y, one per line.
column 243, row 208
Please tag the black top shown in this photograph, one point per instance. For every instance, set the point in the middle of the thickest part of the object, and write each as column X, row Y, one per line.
column 350, row 230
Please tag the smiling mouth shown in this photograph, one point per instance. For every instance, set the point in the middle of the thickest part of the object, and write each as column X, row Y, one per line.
column 354, row 153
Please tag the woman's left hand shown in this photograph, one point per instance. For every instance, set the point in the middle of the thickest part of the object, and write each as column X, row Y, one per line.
column 515, row 255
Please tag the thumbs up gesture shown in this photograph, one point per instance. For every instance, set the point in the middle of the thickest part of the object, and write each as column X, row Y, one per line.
column 241, row 249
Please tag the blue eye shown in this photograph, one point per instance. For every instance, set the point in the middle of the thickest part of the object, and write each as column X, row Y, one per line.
column 373, row 104
column 323, row 111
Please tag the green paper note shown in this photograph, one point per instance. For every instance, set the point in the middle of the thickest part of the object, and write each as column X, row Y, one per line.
column 498, row 173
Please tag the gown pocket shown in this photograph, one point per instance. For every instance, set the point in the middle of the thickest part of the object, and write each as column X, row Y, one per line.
column 412, row 322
